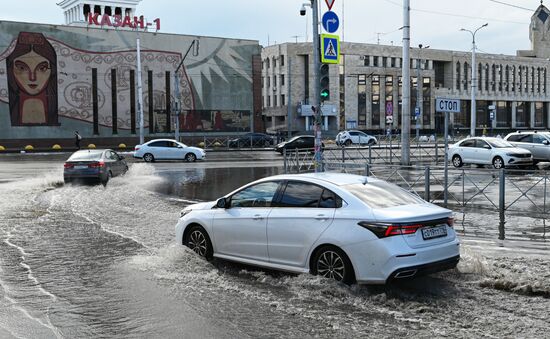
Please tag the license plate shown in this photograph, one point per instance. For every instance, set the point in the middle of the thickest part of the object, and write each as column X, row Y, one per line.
column 81, row 167
column 434, row 232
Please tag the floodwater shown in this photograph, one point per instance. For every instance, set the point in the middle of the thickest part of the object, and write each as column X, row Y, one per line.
column 90, row 262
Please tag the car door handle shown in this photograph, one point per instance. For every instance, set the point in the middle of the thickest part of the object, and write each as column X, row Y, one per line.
column 321, row 217
column 258, row 217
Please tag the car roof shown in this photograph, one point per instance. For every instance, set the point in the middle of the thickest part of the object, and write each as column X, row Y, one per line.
column 161, row 140
column 95, row 150
column 338, row 179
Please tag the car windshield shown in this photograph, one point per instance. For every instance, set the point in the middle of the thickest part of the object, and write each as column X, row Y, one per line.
column 381, row 194
column 86, row 155
column 499, row 143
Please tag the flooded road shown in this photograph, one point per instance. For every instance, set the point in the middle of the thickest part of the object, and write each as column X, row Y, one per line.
column 89, row 261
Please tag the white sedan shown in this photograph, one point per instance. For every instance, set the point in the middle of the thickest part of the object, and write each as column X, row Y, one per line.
column 340, row 226
column 168, row 149
column 488, row 151
column 348, row 138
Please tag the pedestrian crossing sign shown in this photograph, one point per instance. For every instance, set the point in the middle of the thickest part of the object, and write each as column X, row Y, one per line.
column 330, row 49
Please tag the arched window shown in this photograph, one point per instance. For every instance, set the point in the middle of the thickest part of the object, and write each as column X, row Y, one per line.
column 493, row 82
column 458, row 78
column 507, row 78
column 479, row 77
column 466, row 68
column 486, row 77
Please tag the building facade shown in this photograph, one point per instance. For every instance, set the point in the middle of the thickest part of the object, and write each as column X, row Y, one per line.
column 367, row 86
column 55, row 79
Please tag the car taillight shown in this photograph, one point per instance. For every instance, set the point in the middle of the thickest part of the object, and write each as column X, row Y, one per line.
column 97, row 165
column 451, row 221
column 389, row 230
column 136, row 148
column 68, row 165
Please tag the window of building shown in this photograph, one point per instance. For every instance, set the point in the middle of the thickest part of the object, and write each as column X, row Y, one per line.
column 274, row 62
column 274, row 81
column 267, row 62
column 274, row 100
column 283, row 102
column 263, row 80
column 523, row 114
column 532, row 79
column 543, row 90
column 458, row 77
column 540, row 115
column 268, row 81
column 500, row 78
column 462, row 119
column 479, row 77
column 504, row 114
column 375, row 100
column 389, row 92
column 466, row 70
column 393, row 62
column 494, row 78
column 384, row 62
column 513, row 84
column 507, row 78
column 366, row 60
column 362, row 100
column 282, row 79
column 282, row 60
column 486, row 77
column 482, row 113
column 375, row 61
column 269, row 101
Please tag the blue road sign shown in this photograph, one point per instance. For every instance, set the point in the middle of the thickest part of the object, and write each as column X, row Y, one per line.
column 331, row 22
column 417, row 111
column 330, row 49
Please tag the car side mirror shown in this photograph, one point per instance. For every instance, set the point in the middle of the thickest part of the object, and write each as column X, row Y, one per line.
column 222, row 203
column 546, row 142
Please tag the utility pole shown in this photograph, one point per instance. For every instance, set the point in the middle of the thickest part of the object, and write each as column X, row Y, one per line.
column 406, row 118
column 419, row 89
column 140, row 94
column 473, row 108
column 289, row 97
column 177, row 106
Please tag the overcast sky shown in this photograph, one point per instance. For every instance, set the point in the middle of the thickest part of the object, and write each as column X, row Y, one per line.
column 433, row 22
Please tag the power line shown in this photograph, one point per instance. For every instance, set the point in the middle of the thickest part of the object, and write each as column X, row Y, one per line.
column 511, row 5
column 457, row 15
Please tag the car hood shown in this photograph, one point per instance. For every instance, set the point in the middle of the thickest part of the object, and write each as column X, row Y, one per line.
column 197, row 207
column 411, row 213
column 516, row 150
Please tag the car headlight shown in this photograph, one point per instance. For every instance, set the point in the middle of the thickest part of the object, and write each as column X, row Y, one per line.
column 185, row 212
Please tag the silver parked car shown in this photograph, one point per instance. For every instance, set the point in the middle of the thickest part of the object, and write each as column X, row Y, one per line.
column 538, row 143
column 488, row 151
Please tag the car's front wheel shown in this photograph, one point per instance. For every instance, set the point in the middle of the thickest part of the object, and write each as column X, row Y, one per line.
column 190, row 157
column 198, row 241
column 148, row 157
column 457, row 161
column 348, row 142
column 331, row 262
column 498, row 163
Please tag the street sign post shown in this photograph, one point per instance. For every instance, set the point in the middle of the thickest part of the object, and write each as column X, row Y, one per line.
column 330, row 49
column 446, row 106
column 330, row 22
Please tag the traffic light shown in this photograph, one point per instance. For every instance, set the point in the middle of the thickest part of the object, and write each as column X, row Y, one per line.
column 325, row 83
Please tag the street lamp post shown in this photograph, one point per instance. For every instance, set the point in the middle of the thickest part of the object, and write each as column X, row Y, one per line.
column 473, row 86
column 419, row 89
column 317, row 86
column 406, row 102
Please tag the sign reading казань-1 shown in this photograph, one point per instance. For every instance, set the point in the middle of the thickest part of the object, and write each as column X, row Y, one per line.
column 96, row 19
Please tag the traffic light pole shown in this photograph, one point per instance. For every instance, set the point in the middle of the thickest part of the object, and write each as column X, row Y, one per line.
column 317, row 84
column 406, row 119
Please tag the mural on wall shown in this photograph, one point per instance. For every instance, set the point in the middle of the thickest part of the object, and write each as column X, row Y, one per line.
column 32, row 81
column 36, row 68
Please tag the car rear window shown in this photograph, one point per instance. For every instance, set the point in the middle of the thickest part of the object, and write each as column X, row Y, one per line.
column 383, row 195
column 86, row 156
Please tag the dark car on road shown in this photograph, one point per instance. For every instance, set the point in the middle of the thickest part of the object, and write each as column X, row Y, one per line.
column 300, row 142
column 95, row 166
column 252, row 140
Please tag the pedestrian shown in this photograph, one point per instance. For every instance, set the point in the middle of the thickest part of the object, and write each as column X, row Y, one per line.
column 77, row 138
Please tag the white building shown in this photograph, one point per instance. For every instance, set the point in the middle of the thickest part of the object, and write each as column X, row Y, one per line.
column 367, row 85
column 77, row 11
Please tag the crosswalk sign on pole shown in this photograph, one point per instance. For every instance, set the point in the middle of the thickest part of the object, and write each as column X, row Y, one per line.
column 330, row 49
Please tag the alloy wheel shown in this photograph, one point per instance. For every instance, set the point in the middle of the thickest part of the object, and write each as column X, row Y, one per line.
column 331, row 265
column 498, row 163
column 197, row 242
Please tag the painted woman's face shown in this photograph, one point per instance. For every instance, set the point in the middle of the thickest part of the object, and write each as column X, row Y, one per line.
column 32, row 72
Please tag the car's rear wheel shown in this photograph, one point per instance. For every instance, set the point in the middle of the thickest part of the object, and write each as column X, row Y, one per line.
column 498, row 163
column 198, row 241
column 107, row 178
column 190, row 157
column 371, row 142
column 457, row 161
column 148, row 157
column 331, row 262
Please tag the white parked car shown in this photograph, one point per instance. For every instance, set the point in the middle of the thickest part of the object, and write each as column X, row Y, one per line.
column 536, row 142
column 488, row 151
column 168, row 149
column 349, row 138
column 340, row 226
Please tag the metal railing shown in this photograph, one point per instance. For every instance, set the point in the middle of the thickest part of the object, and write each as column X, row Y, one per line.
column 495, row 197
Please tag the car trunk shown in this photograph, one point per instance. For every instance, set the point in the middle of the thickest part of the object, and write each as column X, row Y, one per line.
column 430, row 218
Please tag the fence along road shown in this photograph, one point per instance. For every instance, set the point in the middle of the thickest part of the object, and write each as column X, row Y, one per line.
column 509, row 204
